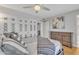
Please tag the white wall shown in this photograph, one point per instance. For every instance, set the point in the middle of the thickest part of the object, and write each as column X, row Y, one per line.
column 70, row 26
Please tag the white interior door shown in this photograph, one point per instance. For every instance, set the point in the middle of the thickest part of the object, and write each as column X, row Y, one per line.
column 46, row 29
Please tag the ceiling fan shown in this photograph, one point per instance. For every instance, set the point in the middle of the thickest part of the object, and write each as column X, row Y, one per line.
column 37, row 7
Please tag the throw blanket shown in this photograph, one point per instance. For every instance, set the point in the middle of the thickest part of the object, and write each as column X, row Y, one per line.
column 46, row 51
column 10, row 50
column 47, row 47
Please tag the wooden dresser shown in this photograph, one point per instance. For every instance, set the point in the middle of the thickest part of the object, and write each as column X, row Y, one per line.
column 64, row 37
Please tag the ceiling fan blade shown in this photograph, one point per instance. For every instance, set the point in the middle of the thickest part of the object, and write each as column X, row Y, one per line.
column 27, row 6
column 45, row 8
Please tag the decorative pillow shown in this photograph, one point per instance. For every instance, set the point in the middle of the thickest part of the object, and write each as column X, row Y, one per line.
column 18, row 39
column 23, row 43
column 7, row 35
column 13, row 35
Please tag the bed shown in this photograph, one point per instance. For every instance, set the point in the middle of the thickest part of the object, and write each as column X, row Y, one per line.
column 13, row 45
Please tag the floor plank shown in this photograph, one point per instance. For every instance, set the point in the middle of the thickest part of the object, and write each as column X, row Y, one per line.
column 71, row 51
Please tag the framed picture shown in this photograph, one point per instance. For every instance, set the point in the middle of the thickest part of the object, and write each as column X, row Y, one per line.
column 58, row 23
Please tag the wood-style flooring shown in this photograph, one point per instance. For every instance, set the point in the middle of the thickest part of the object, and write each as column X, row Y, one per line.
column 71, row 51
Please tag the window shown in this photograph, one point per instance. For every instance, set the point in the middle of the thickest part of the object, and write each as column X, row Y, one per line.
column 5, row 27
column 30, row 35
column 5, row 18
column 25, row 27
column 34, row 22
column 34, row 28
column 13, row 19
column 25, row 21
column 20, row 20
column 30, row 21
column 20, row 27
column 30, row 27
column 13, row 27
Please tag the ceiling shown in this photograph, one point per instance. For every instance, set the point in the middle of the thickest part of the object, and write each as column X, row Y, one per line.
column 55, row 9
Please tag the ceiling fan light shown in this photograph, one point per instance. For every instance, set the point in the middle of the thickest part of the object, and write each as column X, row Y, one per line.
column 37, row 8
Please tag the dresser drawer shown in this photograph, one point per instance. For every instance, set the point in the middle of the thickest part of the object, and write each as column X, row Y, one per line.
column 63, row 37
column 68, row 44
column 67, row 39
